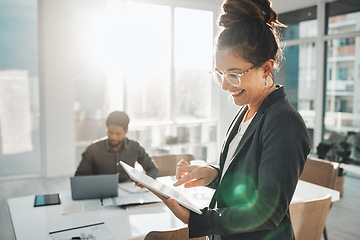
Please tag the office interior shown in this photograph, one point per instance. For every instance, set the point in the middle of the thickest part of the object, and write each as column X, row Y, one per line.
column 64, row 65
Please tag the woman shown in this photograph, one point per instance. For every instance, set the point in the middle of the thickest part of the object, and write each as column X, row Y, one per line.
column 266, row 144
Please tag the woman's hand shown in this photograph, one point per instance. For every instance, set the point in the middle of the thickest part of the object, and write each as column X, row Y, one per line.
column 180, row 212
column 194, row 175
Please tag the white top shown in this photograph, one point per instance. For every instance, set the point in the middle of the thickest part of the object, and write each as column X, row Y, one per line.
column 234, row 143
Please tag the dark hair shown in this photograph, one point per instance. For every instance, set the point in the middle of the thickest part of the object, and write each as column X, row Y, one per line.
column 250, row 29
column 118, row 118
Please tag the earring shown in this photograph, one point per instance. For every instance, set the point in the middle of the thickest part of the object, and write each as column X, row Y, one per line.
column 266, row 83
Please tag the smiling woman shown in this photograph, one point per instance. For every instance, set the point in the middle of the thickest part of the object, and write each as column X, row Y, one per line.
column 261, row 159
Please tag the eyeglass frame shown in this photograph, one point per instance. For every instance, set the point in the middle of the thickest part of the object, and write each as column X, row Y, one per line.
column 223, row 75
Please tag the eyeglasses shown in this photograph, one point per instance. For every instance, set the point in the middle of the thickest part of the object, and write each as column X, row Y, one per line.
column 233, row 78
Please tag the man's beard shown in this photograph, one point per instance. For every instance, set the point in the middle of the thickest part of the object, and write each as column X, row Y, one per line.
column 116, row 144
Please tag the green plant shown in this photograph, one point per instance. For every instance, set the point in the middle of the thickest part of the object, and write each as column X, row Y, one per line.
column 337, row 152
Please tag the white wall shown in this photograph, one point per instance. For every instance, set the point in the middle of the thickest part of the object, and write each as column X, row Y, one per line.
column 56, row 76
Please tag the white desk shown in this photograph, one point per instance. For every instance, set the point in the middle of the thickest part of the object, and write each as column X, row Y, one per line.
column 36, row 223
column 306, row 191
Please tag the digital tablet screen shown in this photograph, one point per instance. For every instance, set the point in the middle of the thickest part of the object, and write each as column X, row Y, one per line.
column 159, row 187
column 47, row 199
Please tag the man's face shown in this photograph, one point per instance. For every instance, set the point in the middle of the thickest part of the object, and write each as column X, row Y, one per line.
column 116, row 135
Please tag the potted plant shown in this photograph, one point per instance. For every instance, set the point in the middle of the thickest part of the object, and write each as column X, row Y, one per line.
column 338, row 152
column 342, row 155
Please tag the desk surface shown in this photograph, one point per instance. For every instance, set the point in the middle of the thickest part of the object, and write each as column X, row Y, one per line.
column 123, row 224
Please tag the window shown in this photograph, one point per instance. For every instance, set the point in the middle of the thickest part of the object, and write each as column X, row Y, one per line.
column 342, row 17
column 340, row 41
column 342, row 73
column 19, row 89
column 343, row 110
column 150, row 60
column 298, row 72
column 193, row 60
column 300, row 23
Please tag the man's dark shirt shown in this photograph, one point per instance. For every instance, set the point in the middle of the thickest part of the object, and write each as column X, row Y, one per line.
column 99, row 158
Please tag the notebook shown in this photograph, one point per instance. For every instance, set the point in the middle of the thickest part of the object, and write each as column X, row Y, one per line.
column 94, row 186
column 159, row 187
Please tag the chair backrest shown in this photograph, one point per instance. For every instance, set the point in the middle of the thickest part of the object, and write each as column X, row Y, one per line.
column 308, row 218
column 321, row 172
column 167, row 163
column 175, row 234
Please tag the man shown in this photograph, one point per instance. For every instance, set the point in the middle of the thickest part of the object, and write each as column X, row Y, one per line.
column 103, row 156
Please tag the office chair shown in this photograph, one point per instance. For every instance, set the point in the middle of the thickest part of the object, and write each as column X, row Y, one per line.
column 308, row 218
column 321, row 172
column 167, row 163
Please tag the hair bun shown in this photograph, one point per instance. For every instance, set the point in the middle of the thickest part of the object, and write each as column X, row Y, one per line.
column 236, row 11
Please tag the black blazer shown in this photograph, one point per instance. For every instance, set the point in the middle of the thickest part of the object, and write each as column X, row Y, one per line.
column 254, row 195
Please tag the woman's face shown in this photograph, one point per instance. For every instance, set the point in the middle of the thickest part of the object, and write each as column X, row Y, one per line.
column 251, row 90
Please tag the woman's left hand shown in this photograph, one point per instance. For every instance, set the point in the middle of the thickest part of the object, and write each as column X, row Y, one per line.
column 180, row 212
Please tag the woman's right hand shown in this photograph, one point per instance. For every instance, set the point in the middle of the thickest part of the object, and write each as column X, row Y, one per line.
column 194, row 175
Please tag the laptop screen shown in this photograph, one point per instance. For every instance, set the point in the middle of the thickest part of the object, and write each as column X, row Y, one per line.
column 94, row 186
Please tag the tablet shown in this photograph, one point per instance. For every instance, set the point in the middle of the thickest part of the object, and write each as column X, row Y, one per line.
column 159, row 187
column 47, row 199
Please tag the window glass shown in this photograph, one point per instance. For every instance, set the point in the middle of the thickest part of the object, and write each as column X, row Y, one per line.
column 342, row 112
column 193, row 60
column 19, row 89
column 124, row 60
column 342, row 85
column 300, row 23
column 148, row 59
column 343, row 17
column 298, row 75
column 94, row 53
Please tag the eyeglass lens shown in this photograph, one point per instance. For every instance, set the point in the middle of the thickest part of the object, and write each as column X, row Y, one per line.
column 233, row 79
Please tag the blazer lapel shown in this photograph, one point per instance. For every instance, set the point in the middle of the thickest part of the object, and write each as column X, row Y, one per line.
column 273, row 97
column 248, row 134
column 277, row 94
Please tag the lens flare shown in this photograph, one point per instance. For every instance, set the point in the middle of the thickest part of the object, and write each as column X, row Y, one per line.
column 241, row 193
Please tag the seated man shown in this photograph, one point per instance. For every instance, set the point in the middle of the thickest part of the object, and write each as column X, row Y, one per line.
column 103, row 156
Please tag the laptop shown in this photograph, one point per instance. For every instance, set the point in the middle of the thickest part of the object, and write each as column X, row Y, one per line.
column 159, row 187
column 94, row 186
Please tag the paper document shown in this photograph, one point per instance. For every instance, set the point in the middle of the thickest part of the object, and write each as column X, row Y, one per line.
column 90, row 232
column 134, row 198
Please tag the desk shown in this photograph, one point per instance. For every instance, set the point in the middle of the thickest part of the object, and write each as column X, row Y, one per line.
column 123, row 224
column 306, row 191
